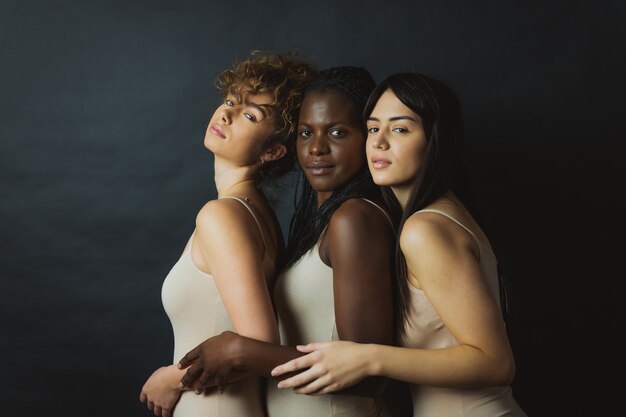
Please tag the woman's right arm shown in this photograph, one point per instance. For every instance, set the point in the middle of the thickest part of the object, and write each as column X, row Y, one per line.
column 225, row 235
column 440, row 256
column 220, row 358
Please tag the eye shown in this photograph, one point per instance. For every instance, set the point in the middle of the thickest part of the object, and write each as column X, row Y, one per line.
column 400, row 130
column 250, row 117
column 337, row 133
column 373, row 130
column 229, row 102
column 305, row 133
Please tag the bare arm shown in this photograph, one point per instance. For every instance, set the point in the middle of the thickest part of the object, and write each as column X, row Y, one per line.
column 228, row 239
column 441, row 258
column 231, row 248
column 359, row 243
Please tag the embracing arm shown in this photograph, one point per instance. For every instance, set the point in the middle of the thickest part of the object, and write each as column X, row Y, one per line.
column 231, row 248
column 358, row 244
column 444, row 261
column 225, row 357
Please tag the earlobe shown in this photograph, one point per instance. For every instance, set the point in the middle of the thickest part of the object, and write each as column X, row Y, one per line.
column 277, row 151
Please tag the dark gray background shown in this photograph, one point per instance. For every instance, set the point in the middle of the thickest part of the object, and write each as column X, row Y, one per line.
column 103, row 106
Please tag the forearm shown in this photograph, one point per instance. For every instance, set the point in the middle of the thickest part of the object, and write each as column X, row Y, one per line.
column 257, row 357
column 460, row 366
column 374, row 384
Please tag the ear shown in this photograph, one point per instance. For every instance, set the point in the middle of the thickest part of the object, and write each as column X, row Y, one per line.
column 274, row 152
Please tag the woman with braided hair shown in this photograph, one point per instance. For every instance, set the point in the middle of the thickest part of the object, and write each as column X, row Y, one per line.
column 454, row 349
column 336, row 282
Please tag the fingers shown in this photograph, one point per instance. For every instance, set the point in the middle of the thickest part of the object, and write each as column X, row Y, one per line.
column 309, row 347
column 143, row 397
column 202, row 382
column 165, row 412
column 317, row 386
column 150, row 405
column 294, row 365
column 189, row 358
column 303, row 378
column 157, row 410
column 190, row 377
column 220, row 381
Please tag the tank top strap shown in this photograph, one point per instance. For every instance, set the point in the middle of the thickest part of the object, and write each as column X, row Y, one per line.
column 246, row 204
column 381, row 209
column 457, row 221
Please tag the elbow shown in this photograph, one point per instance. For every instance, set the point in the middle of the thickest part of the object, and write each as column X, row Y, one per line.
column 504, row 372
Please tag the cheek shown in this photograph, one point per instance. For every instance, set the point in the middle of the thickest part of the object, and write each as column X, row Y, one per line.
column 301, row 150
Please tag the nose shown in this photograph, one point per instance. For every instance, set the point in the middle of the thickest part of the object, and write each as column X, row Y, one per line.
column 377, row 140
column 226, row 115
column 319, row 145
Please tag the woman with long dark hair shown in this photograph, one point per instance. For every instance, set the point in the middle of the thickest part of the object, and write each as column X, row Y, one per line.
column 337, row 280
column 455, row 351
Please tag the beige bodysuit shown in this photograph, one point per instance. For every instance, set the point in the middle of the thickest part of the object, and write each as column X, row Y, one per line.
column 424, row 329
column 304, row 301
column 193, row 304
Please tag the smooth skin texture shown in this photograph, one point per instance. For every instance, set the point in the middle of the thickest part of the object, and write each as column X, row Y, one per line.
column 329, row 133
column 329, row 130
column 442, row 260
column 227, row 242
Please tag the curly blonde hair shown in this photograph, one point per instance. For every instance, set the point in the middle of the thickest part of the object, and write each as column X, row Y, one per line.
column 284, row 76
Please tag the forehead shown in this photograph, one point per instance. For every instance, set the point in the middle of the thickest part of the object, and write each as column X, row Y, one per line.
column 327, row 105
column 390, row 105
column 247, row 95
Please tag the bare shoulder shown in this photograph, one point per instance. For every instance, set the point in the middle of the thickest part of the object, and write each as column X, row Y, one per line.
column 358, row 215
column 425, row 233
column 222, row 214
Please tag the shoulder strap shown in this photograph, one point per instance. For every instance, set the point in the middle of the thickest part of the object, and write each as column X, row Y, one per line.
column 457, row 221
column 381, row 209
column 246, row 204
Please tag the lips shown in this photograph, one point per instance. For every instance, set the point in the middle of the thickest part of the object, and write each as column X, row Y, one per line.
column 318, row 168
column 379, row 163
column 217, row 130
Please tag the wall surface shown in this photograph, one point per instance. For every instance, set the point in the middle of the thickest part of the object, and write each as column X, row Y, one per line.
column 103, row 106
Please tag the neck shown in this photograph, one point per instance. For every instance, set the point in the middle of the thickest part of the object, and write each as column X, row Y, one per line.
column 234, row 180
column 402, row 194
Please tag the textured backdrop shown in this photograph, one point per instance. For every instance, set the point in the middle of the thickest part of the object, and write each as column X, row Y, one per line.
column 103, row 106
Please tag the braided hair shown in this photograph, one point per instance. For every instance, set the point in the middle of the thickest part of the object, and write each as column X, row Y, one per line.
column 309, row 221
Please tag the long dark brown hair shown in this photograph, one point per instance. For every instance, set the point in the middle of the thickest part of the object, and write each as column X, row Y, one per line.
column 442, row 169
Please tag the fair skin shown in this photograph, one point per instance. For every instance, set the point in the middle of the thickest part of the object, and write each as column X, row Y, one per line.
column 329, row 135
column 227, row 242
column 442, row 261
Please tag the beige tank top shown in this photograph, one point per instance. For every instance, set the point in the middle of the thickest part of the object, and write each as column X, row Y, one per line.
column 424, row 329
column 305, row 303
column 195, row 309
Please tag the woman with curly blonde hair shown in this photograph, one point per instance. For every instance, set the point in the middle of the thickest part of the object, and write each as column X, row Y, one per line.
column 222, row 278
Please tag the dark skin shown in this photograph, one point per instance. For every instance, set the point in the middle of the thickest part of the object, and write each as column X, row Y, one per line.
column 357, row 245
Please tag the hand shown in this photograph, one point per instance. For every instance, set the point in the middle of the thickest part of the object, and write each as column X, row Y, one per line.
column 330, row 366
column 161, row 391
column 210, row 363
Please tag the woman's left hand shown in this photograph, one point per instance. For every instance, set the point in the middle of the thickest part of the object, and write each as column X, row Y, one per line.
column 210, row 364
column 330, row 366
column 161, row 392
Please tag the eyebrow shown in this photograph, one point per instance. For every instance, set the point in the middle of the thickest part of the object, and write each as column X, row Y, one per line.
column 393, row 119
column 263, row 108
column 331, row 123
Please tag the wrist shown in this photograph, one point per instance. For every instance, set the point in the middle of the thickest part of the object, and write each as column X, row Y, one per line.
column 374, row 367
column 235, row 349
column 176, row 376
